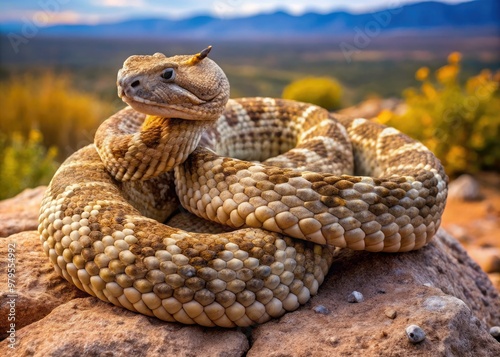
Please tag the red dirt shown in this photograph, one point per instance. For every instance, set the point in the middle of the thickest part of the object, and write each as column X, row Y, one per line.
column 477, row 225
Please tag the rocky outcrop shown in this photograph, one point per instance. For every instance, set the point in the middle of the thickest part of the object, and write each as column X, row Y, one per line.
column 20, row 213
column 89, row 327
column 439, row 288
column 38, row 288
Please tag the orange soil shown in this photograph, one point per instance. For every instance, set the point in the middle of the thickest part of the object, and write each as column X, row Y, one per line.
column 478, row 222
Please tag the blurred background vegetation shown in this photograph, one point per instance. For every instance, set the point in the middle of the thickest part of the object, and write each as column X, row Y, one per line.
column 57, row 92
column 323, row 91
column 44, row 120
column 459, row 122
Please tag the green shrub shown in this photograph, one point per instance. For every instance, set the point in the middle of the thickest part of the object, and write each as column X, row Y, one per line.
column 24, row 162
column 458, row 122
column 323, row 91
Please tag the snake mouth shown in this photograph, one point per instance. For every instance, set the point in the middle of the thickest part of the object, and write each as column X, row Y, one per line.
column 131, row 100
column 190, row 97
column 149, row 107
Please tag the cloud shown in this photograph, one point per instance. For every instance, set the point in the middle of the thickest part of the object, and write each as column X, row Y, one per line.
column 113, row 10
column 44, row 18
column 120, row 3
column 297, row 7
column 72, row 17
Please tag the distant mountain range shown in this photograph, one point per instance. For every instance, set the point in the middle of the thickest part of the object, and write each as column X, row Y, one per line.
column 474, row 15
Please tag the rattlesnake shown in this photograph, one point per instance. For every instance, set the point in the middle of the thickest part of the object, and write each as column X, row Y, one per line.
column 93, row 225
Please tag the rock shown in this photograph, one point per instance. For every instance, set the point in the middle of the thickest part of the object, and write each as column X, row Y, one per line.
column 488, row 258
column 93, row 328
column 320, row 309
column 456, row 309
column 465, row 188
column 391, row 313
column 415, row 334
column 355, row 297
column 495, row 332
column 38, row 287
column 20, row 213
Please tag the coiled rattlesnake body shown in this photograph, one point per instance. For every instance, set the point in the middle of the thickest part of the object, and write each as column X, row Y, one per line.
column 93, row 223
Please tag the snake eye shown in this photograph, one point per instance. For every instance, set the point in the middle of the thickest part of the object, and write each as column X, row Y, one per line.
column 168, row 74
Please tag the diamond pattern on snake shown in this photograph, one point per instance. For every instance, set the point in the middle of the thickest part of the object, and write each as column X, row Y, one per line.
column 274, row 184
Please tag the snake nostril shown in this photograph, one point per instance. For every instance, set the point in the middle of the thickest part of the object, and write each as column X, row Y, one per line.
column 135, row 83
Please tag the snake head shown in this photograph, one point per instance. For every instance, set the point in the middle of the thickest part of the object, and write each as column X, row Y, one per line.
column 187, row 86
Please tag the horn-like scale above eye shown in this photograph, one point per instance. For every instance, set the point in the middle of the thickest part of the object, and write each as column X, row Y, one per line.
column 168, row 74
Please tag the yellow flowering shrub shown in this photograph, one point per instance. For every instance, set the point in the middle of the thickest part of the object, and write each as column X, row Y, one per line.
column 47, row 102
column 24, row 162
column 323, row 91
column 460, row 123
column 44, row 119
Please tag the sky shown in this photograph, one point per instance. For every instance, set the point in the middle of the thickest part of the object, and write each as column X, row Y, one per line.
column 49, row 12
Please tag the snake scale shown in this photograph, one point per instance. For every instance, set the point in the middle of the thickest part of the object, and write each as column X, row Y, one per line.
column 304, row 182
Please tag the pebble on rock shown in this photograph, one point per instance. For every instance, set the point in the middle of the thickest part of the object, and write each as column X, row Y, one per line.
column 415, row 334
column 495, row 332
column 391, row 313
column 320, row 309
column 355, row 296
